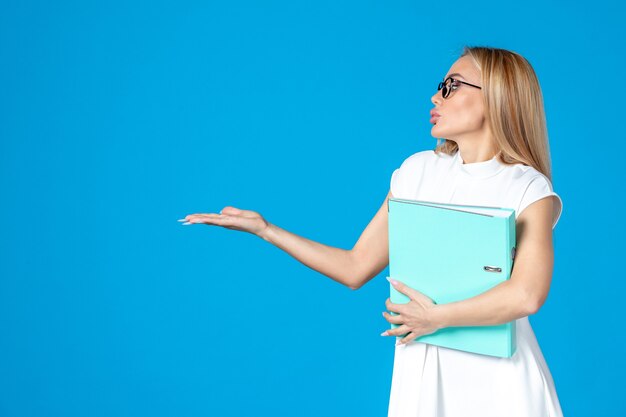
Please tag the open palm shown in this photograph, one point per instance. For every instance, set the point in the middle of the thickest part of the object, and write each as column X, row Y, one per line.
column 230, row 218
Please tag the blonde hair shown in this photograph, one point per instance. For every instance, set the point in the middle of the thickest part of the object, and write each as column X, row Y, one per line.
column 513, row 108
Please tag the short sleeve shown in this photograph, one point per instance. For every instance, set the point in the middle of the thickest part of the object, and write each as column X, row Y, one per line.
column 402, row 177
column 538, row 188
column 398, row 180
column 393, row 184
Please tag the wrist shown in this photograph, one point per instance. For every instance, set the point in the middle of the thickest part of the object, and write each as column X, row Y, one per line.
column 436, row 316
column 267, row 232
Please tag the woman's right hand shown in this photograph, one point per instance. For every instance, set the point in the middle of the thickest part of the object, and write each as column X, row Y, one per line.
column 231, row 218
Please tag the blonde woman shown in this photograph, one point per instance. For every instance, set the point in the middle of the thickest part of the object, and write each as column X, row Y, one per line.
column 489, row 110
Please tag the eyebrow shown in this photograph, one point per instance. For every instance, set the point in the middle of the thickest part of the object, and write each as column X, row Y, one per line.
column 454, row 75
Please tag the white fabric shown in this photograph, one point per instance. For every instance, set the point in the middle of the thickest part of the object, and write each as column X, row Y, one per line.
column 434, row 381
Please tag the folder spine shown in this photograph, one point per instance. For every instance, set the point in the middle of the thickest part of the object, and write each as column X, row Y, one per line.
column 512, row 243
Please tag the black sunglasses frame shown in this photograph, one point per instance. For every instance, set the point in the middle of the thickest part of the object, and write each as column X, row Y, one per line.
column 446, row 90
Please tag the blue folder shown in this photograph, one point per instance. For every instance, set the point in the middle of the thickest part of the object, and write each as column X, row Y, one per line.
column 452, row 252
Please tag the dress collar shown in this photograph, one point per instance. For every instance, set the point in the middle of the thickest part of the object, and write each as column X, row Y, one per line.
column 482, row 169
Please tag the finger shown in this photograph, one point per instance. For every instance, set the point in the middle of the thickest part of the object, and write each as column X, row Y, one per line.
column 397, row 319
column 208, row 216
column 396, row 308
column 230, row 209
column 236, row 211
column 402, row 287
column 192, row 218
column 188, row 217
column 422, row 298
column 409, row 337
column 412, row 293
column 399, row 331
column 210, row 219
column 233, row 211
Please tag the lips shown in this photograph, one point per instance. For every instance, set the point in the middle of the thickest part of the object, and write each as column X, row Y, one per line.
column 434, row 117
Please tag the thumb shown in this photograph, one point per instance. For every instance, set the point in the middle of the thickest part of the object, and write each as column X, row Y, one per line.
column 412, row 293
column 230, row 210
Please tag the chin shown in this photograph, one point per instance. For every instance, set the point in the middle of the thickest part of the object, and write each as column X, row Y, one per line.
column 434, row 130
column 442, row 132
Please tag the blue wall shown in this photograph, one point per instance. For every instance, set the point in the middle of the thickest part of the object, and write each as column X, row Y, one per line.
column 118, row 118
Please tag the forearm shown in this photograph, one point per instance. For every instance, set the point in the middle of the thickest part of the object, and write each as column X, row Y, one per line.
column 501, row 304
column 335, row 263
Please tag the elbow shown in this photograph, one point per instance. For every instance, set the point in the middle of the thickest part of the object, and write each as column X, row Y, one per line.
column 358, row 281
column 355, row 285
column 532, row 308
column 528, row 302
column 533, row 304
column 354, row 278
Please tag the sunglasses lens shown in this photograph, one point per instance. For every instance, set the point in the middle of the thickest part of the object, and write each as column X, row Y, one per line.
column 445, row 89
column 444, row 86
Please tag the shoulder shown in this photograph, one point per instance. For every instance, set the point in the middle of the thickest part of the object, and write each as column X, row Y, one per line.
column 533, row 186
column 522, row 174
column 527, row 178
column 423, row 159
column 405, row 179
column 418, row 157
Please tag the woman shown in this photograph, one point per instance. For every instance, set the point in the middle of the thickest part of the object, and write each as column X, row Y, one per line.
column 489, row 110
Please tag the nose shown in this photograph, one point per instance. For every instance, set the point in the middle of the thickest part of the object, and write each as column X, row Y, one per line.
column 437, row 98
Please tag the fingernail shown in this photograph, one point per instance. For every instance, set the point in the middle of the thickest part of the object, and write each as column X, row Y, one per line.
column 185, row 224
column 181, row 220
column 393, row 281
column 385, row 333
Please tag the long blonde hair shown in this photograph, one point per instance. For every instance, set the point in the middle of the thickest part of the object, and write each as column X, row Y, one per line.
column 513, row 108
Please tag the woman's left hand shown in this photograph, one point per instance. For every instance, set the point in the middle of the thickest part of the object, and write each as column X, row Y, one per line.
column 414, row 318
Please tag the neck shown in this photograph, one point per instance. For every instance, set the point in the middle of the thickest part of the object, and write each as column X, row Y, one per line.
column 477, row 146
column 471, row 155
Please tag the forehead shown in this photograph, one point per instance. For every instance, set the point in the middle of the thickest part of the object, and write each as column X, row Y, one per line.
column 465, row 66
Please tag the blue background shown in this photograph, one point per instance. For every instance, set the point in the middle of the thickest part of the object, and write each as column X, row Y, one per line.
column 118, row 118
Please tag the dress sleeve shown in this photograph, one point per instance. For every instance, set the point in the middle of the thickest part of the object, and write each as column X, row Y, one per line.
column 406, row 176
column 393, row 185
column 538, row 188
column 398, row 180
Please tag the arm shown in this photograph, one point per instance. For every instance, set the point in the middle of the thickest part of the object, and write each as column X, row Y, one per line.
column 349, row 267
column 527, row 289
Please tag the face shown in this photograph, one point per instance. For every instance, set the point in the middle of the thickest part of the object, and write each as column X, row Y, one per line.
column 462, row 112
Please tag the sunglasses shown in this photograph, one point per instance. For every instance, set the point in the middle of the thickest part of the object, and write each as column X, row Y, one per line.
column 450, row 82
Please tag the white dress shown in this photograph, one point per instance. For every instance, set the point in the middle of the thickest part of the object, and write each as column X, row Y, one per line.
column 434, row 381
